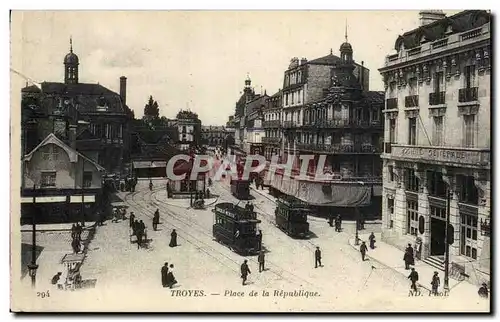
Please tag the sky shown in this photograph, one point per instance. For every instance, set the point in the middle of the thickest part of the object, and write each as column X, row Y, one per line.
column 195, row 59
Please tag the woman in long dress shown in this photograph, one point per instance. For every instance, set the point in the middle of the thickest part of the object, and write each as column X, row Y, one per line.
column 170, row 277
column 173, row 239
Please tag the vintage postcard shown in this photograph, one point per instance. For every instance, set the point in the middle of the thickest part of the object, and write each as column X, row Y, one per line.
column 250, row 161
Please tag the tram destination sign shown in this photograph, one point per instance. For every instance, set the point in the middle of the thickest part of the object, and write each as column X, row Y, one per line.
column 461, row 156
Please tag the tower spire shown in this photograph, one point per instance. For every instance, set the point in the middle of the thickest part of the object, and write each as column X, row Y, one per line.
column 70, row 44
column 346, row 30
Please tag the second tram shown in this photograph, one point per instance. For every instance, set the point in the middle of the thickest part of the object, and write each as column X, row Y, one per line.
column 291, row 216
column 237, row 228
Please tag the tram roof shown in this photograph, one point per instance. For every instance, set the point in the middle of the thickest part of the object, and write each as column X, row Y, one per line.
column 292, row 201
column 239, row 213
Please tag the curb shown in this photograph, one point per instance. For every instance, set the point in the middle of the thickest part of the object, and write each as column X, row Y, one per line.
column 351, row 243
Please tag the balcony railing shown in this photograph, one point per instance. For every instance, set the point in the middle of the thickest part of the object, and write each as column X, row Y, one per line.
column 467, row 94
column 273, row 123
column 270, row 140
column 411, row 101
column 391, row 104
column 339, row 148
column 344, row 124
column 437, row 98
column 290, row 124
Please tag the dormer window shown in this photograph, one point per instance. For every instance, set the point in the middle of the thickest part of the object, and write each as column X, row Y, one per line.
column 102, row 105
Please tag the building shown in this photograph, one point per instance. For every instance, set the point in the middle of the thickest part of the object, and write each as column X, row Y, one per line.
column 213, row 135
column 101, row 116
column 328, row 110
column 437, row 140
column 251, row 125
column 189, row 130
column 55, row 178
column 272, row 125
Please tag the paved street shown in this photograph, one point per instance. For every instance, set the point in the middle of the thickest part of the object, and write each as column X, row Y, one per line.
column 125, row 273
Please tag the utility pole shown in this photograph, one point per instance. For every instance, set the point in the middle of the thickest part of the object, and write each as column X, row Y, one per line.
column 446, row 238
column 83, row 194
column 32, row 267
column 356, row 240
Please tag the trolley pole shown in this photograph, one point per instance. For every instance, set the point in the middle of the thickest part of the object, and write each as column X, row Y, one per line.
column 356, row 240
column 447, row 245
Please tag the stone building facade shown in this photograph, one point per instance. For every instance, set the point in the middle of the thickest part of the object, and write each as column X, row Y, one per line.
column 91, row 116
column 437, row 140
column 55, row 178
column 328, row 110
column 272, row 125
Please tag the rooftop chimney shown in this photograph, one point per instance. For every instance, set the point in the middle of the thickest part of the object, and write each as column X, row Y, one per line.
column 123, row 89
column 72, row 136
column 429, row 16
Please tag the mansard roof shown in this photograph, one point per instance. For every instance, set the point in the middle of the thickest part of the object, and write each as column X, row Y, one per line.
column 87, row 96
column 460, row 22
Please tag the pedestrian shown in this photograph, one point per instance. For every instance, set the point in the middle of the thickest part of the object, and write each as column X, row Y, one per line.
column 75, row 244
column 408, row 257
column 363, row 249
column 135, row 227
column 56, row 278
column 372, row 240
column 261, row 260
column 338, row 223
column 164, row 272
column 259, row 239
column 435, row 283
column 73, row 231
column 156, row 219
column 171, row 281
column 483, row 291
column 139, row 233
column 79, row 230
column 131, row 219
column 173, row 239
column 244, row 271
column 317, row 257
column 150, row 185
column 413, row 277
column 330, row 220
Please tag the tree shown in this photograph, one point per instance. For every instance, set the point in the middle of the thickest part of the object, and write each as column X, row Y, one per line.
column 151, row 109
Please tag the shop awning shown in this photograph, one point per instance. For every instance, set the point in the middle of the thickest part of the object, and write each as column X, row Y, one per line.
column 44, row 199
column 78, row 199
column 149, row 164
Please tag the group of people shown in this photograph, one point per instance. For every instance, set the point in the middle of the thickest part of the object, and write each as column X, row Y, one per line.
column 138, row 230
column 76, row 237
column 167, row 276
column 119, row 214
column 249, row 207
column 338, row 222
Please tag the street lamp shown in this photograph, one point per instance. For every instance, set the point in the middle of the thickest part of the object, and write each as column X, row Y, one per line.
column 32, row 267
column 356, row 241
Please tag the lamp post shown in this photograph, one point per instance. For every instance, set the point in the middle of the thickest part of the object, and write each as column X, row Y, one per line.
column 32, row 267
column 446, row 241
column 356, row 241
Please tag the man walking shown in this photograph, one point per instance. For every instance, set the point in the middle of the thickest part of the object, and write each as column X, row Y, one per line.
column 156, row 219
column 244, row 271
column 413, row 277
column 261, row 260
column 317, row 257
column 363, row 249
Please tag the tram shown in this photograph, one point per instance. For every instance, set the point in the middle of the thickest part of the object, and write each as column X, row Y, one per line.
column 240, row 188
column 236, row 227
column 291, row 216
